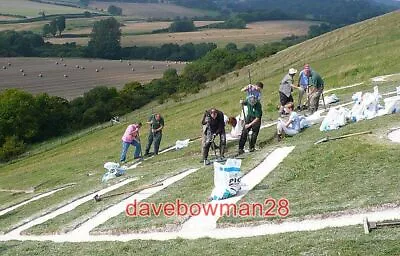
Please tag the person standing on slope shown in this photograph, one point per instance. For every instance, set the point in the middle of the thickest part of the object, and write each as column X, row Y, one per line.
column 285, row 90
column 317, row 87
column 131, row 137
column 252, row 123
column 156, row 122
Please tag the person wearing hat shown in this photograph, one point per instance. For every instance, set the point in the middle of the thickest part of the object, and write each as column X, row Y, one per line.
column 286, row 88
column 302, row 85
column 316, row 83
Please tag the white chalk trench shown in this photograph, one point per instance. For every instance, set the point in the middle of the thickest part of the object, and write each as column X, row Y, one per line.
column 199, row 226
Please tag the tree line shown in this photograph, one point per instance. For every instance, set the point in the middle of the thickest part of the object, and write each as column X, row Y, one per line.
column 27, row 118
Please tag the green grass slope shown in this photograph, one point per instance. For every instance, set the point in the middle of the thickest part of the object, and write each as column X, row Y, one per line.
column 343, row 175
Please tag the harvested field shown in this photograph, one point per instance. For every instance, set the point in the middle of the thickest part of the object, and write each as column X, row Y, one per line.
column 130, row 27
column 32, row 9
column 4, row 17
column 72, row 80
column 146, row 11
column 256, row 33
column 32, row 26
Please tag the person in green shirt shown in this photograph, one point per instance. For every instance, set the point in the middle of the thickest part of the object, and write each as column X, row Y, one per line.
column 317, row 87
column 156, row 122
column 252, row 123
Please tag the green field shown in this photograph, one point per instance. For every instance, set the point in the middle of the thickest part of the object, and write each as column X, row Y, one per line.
column 32, row 9
column 151, row 10
column 349, row 175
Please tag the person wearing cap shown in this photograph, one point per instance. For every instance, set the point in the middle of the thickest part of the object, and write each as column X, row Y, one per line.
column 316, row 83
column 156, row 122
column 286, row 88
column 213, row 124
column 131, row 137
column 302, row 84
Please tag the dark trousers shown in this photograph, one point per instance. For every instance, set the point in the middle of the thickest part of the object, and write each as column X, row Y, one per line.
column 253, row 138
column 156, row 136
column 209, row 138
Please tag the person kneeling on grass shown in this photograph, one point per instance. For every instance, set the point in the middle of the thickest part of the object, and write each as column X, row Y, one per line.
column 131, row 137
column 292, row 126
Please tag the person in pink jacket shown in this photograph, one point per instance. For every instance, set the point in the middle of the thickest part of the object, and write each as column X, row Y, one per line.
column 131, row 137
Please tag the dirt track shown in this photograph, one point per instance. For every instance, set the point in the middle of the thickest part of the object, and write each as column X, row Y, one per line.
column 76, row 80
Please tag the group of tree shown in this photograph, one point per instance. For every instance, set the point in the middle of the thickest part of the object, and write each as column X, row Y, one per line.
column 338, row 12
column 26, row 119
column 182, row 25
column 55, row 25
column 104, row 43
column 114, row 10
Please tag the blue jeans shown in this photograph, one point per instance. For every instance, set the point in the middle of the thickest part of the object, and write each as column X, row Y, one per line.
column 125, row 146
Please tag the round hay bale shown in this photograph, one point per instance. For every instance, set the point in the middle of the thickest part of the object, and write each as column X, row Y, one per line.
column 82, row 67
column 61, row 59
column 97, row 70
column 9, row 64
column 21, row 70
column 40, row 75
column 23, row 74
column 152, row 66
column 77, row 66
column 65, row 75
column 56, row 62
column 4, row 67
column 133, row 69
column 65, row 65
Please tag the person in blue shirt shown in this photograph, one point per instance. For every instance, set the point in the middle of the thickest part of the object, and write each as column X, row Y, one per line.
column 253, row 91
column 302, row 85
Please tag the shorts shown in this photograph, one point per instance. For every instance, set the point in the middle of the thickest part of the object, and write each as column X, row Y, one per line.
column 285, row 99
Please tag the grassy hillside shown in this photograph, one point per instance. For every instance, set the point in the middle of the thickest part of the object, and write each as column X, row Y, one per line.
column 346, row 175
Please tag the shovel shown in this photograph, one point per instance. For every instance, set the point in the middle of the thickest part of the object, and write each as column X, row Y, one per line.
column 341, row 137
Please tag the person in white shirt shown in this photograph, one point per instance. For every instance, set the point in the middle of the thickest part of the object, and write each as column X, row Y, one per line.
column 290, row 127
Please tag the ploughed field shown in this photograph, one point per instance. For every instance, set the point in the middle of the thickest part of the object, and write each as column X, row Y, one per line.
column 70, row 78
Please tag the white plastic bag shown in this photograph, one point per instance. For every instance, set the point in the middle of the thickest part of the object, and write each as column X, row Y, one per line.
column 330, row 99
column 226, row 179
column 335, row 118
column 113, row 171
column 392, row 105
column 181, row 144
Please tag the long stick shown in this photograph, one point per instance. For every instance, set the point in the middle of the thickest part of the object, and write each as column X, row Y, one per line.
column 98, row 198
column 248, row 70
column 341, row 137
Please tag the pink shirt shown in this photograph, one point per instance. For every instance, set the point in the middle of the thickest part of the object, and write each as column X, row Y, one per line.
column 130, row 133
